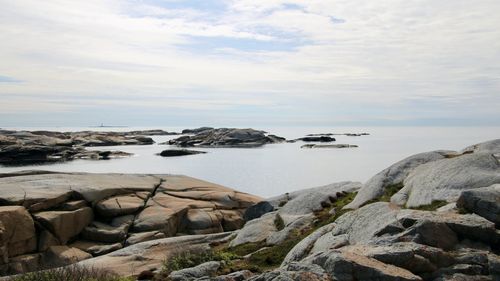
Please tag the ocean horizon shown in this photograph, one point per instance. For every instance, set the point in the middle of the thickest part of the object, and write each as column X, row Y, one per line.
column 275, row 169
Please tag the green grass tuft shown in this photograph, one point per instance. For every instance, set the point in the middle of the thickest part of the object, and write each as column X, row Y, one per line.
column 436, row 204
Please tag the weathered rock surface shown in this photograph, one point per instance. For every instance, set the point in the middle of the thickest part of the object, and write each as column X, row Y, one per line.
column 435, row 176
column 65, row 224
column 204, row 269
column 294, row 210
column 482, row 201
column 381, row 241
column 179, row 152
column 17, row 232
column 23, row 147
column 150, row 255
column 226, row 137
column 96, row 214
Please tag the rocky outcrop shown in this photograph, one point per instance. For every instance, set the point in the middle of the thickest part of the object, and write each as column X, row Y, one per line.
column 151, row 255
column 295, row 211
column 196, row 131
column 482, row 201
column 226, row 137
column 179, row 152
column 23, row 147
column 49, row 219
column 384, row 242
column 435, row 176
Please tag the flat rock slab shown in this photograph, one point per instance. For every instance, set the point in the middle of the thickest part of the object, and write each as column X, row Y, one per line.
column 150, row 255
column 30, row 189
column 121, row 205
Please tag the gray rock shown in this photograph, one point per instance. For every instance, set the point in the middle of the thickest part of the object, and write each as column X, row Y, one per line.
column 492, row 146
column 296, row 210
column 445, row 179
column 256, row 211
column 202, row 270
column 150, row 255
column 256, row 230
column 482, row 201
column 235, row 276
column 350, row 266
column 394, row 174
column 226, row 137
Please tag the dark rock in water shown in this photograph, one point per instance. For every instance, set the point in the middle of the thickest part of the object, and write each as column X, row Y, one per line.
column 318, row 139
column 23, row 147
column 151, row 133
column 256, row 211
column 196, row 131
column 328, row 146
column 14, row 154
column 226, row 137
column 344, row 134
column 179, row 152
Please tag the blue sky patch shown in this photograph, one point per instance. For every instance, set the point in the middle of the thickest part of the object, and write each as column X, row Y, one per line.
column 201, row 44
column 7, row 79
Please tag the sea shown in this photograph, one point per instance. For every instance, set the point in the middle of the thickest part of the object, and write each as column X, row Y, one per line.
column 277, row 168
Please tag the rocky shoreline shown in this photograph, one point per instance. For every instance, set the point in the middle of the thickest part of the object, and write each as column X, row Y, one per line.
column 431, row 216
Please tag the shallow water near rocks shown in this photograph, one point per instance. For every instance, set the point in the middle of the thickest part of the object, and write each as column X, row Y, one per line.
column 278, row 168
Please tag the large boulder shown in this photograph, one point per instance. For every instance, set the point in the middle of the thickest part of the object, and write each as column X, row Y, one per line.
column 65, row 224
column 17, row 232
column 392, row 175
column 199, row 271
column 347, row 266
column 445, row 179
column 482, row 201
column 435, row 176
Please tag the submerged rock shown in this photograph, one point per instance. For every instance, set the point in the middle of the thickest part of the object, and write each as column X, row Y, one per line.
column 317, row 139
column 179, row 152
column 328, row 146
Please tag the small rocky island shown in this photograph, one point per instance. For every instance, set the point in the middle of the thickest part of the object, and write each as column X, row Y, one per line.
column 26, row 147
column 432, row 216
column 225, row 137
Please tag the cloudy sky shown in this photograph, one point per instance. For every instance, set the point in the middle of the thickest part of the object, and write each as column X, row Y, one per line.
column 249, row 62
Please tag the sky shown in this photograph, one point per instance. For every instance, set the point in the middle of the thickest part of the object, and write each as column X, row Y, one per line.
column 250, row 62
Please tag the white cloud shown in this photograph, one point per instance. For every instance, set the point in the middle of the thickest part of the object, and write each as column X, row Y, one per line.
column 383, row 53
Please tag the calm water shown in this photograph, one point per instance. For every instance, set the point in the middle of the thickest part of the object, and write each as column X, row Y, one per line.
column 279, row 168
